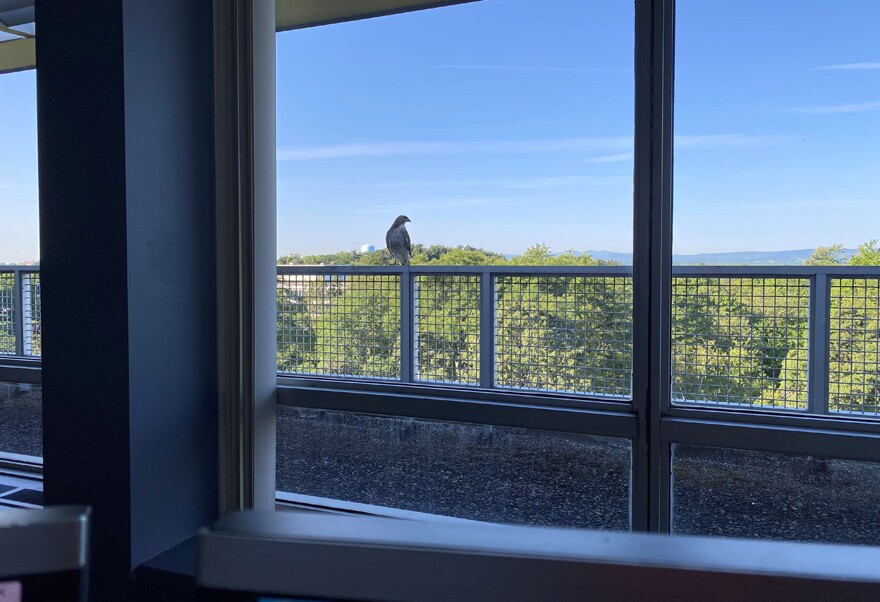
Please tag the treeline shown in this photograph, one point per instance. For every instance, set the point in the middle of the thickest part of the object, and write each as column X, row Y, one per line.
column 734, row 340
column 868, row 254
column 538, row 254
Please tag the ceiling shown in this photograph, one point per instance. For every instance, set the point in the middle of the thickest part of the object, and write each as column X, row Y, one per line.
column 18, row 30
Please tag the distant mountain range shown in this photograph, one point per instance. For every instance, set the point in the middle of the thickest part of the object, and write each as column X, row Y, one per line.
column 793, row 257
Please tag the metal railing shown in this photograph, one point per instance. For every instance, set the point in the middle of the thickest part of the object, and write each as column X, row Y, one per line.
column 793, row 338
column 20, row 311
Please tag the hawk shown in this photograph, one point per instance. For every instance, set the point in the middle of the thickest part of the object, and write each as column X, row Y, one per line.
column 397, row 240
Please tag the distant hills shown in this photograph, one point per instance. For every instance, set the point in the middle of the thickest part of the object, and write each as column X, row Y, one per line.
column 793, row 257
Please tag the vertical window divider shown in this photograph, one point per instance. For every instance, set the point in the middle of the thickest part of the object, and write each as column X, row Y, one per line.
column 652, row 259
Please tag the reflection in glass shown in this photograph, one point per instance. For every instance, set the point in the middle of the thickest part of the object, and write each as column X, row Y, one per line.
column 737, row 493
column 21, row 426
column 468, row 471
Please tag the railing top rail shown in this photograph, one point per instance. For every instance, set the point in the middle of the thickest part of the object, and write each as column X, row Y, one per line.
column 774, row 271
column 19, row 268
column 457, row 269
column 778, row 271
column 794, row 271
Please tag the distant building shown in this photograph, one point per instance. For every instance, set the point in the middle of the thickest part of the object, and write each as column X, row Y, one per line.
column 368, row 248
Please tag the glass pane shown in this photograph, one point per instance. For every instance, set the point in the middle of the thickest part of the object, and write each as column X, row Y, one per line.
column 505, row 134
column 467, row 471
column 19, row 200
column 736, row 493
column 21, row 419
column 777, row 171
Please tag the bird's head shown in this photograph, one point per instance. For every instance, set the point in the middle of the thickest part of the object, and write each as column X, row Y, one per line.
column 401, row 219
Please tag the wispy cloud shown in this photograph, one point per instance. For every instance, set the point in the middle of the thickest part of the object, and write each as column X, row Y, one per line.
column 540, row 183
column 391, row 149
column 726, row 141
column 535, row 68
column 598, row 144
column 446, row 204
column 611, row 158
column 849, row 67
column 860, row 107
column 824, row 204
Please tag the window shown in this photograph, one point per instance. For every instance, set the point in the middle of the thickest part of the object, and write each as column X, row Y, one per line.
column 511, row 150
column 774, row 294
column 20, row 324
column 750, row 366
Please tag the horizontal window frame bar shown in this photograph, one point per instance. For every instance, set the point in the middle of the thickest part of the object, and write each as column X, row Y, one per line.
column 532, row 417
column 20, row 465
column 837, row 445
column 778, row 418
column 21, row 370
column 298, row 501
column 546, row 398
column 541, row 397
column 29, row 371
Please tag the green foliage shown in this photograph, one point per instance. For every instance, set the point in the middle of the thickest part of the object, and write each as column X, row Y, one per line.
column 854, row 381
column 7, row 324
column 297, row 342
column 830, row 255
column 448, row 328
column 564, row 333
column 868, row 254
column 740, row 340
column 538, row 254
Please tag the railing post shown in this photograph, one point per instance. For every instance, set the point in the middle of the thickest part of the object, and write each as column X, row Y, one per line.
column 17, row 313
column 487, row 330
column 407, row 326
column 819, row 349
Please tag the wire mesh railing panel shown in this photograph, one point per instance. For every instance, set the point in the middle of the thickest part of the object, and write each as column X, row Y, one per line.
column 564, row 333
column 33, row 314
column 854, row 346
column 7, row 313
column 447, row 313
column 339, row 325
column 740, row 341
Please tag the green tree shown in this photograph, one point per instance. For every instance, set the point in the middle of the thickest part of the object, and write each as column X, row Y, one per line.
column 358, row 326
column 868, row 254
column 830, row 255
column 296, row 335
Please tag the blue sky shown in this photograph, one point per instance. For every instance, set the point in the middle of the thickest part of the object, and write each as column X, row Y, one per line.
column 505, row 123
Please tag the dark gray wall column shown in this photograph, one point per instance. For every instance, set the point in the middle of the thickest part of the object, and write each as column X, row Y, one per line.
column 125, row 106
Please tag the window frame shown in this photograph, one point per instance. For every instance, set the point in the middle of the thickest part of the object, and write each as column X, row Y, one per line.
column 649, row 420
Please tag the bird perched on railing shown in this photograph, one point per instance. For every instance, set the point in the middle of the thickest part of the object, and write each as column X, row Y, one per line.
column 397, row 240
